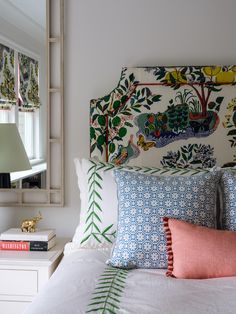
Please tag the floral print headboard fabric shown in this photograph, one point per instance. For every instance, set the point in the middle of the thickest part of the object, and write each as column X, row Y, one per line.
column 170, row 116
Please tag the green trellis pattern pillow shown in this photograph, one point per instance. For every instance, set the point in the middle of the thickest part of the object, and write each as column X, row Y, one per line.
column 99, row 203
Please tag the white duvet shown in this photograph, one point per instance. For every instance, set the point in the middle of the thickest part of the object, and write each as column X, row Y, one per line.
column 84, row 283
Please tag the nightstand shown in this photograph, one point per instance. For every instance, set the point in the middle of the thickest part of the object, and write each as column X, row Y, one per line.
column 23, row 274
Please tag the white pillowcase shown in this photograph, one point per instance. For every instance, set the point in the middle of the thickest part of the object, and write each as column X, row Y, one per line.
column 99, row 203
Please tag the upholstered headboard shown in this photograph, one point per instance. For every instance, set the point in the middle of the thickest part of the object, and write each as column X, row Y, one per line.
column 170, row 116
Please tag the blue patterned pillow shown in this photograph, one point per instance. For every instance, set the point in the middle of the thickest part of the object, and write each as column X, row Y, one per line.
column 228, row 187
column 144, row 200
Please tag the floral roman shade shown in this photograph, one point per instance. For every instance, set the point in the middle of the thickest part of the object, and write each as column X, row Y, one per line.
column 7, row 77
column 28, row 83
column 27, row 91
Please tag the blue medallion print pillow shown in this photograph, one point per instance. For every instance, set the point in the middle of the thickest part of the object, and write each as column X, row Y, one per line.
column 228, row 188
column 144, row 200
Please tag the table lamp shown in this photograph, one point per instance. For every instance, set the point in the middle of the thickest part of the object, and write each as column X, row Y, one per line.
column 13, row 156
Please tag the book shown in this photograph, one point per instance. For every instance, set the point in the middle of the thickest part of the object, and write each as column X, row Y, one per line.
column 15, row 234
column 27, row 245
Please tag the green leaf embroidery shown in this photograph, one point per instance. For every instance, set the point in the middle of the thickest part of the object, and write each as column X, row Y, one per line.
column 107, row 228
column 108, row 292
column 93, row 219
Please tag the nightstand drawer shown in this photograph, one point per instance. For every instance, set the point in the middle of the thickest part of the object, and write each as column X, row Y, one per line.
column 18, row 282
column 13, row 307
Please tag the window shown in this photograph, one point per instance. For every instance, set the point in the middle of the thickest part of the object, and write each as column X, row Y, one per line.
column 19, row 96
column 4, row 116
column 26, row 129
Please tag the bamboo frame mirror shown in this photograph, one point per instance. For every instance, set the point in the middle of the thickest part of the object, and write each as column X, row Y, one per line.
column 53, row 194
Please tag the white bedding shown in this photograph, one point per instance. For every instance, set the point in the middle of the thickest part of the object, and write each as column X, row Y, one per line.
column 71, row 289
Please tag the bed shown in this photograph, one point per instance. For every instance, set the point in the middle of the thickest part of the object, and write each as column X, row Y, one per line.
column 146, row 291
column 163, row 127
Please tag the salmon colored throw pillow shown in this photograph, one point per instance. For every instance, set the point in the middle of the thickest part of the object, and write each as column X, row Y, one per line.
column 196, row 252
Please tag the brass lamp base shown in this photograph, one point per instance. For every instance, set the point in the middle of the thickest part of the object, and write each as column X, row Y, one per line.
column 5, row 181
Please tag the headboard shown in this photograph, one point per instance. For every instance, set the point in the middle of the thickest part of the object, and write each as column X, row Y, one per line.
column 170, row 116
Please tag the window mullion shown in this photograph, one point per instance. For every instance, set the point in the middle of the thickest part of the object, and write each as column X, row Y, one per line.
column 14, row 114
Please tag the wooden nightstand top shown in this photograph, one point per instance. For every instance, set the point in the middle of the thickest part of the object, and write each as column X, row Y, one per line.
column 33, row 258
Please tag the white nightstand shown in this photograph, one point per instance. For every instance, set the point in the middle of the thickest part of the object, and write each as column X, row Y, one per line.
column 22, row 275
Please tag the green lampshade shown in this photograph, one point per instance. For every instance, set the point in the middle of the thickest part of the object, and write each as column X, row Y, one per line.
column 13, row 156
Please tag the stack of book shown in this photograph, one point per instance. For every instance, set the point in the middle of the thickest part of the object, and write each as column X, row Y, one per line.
column 15, row 240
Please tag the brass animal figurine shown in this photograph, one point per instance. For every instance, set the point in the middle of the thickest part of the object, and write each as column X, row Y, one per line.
column 29, row 225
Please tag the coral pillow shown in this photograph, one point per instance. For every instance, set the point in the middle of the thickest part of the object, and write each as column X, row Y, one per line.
column 199, row 252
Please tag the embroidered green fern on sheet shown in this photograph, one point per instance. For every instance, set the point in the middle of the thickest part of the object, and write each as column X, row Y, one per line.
column 108, row 292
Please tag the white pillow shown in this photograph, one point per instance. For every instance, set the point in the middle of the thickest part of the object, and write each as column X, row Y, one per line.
column 99, row 203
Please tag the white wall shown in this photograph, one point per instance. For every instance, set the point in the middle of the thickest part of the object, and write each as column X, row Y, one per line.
column 101, row 37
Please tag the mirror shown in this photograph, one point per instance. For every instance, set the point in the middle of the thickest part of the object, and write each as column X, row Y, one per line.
column 23, row 52
column 31, row 32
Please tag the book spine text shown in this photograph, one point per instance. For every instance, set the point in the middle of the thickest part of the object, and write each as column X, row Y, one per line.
column 23, row 246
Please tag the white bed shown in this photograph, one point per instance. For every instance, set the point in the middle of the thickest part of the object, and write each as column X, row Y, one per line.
column 122, row 131
column 70, row 289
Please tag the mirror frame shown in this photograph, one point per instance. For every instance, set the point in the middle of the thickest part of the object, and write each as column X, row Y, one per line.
column 53, row 195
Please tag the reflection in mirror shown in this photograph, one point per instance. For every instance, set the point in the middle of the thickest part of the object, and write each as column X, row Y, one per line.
column 11, row 146
column 23, row 90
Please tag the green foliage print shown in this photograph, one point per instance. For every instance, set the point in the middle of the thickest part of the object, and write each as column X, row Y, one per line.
column 108, row 292
column 93, row 219
column 8, row 81
column 29, row 87
column 208, row 79
column 230, row 122
column 190, row 156
column 114, row 112
column 33, row 92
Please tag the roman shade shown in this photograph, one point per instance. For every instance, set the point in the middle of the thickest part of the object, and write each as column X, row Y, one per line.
column 7, row 78
column 28, row 83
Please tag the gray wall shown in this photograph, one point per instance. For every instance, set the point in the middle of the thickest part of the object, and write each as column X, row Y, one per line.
column 101, row 37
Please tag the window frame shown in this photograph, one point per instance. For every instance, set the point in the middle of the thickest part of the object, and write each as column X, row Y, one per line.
column 37, row 156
